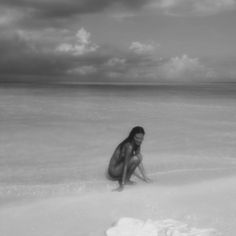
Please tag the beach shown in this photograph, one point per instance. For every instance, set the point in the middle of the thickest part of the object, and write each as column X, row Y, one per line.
column 56, row 142
column 200, row 205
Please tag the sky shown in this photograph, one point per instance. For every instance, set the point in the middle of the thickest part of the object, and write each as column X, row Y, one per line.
column 133, row 41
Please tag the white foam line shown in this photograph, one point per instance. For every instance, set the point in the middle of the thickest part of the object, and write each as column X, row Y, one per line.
column 191, row 170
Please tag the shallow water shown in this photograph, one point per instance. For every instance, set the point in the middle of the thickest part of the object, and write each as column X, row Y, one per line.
column 57, row 140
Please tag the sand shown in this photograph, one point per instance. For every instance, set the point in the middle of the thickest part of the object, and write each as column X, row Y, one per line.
column 203, row 204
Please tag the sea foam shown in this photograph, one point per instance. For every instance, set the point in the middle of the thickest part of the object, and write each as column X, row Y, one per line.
column 135, row 227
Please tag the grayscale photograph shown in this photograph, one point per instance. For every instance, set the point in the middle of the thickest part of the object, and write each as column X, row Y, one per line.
column 117, row 118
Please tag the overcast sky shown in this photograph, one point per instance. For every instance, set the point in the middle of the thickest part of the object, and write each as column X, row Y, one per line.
column 118, row 40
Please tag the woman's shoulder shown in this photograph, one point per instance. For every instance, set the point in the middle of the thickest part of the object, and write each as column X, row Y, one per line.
column 128, row 146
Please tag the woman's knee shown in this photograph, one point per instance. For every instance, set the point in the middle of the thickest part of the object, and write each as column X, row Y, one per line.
column 136, row 160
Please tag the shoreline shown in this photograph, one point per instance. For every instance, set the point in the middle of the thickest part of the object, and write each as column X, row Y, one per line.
column 171, row 178
column 208, row 204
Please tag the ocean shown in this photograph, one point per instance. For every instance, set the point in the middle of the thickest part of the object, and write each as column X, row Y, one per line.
column 57, row 140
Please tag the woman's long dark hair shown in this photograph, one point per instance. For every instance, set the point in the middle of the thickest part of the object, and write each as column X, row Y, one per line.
column 133, row 132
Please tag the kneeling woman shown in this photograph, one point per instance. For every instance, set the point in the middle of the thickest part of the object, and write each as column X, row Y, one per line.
column 127, row 157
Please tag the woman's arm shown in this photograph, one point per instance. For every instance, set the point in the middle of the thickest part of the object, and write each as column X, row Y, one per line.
column 141, row 169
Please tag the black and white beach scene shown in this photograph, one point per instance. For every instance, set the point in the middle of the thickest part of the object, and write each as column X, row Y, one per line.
column 118, row 118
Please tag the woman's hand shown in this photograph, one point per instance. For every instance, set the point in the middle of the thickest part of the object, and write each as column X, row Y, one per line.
column 147, row 180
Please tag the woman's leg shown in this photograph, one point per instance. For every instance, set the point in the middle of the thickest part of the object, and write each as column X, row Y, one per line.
column 116, row 172
column 133, row 164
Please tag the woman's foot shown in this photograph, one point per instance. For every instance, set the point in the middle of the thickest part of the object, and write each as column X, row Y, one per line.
column 129, row 182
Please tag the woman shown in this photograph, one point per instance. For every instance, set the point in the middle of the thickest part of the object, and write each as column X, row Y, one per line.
column 127, row 157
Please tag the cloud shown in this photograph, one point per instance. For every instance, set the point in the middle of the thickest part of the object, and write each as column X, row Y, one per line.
column 130, row 68
column 32, row 14
column 31, row 53
column 185, row 69
column 214, row 6
column 22, row 54
column 68, row 8
column 194, row 7
column 116, row 62
column 6, row 17
column 141, row 48
column 121, row 15
column 175, row 69
column 83, row 70
column 81, row 46
column 64, row 13
column 141, row 68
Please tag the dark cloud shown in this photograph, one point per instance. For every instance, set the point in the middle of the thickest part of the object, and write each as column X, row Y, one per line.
column 68, row 8
column 34, row 14
column 25, row 61
column 20, row 58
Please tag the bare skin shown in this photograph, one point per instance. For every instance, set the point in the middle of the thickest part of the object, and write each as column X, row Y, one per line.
column 122, row 171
